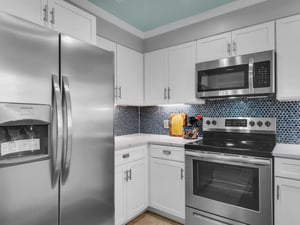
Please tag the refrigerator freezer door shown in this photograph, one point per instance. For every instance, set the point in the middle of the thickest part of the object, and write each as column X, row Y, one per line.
column 28, row 57
column 87, row 197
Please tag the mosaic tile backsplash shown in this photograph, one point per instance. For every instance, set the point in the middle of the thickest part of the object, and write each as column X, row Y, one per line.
column 287, row 115
column 126, row 120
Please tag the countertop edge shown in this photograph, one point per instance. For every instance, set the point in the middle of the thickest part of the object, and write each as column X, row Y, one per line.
column 135, row 140
column 291, row 151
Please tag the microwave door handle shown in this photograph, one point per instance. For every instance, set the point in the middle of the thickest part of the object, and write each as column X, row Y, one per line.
column 251, row 76
column 68, row 128
column 56, row 131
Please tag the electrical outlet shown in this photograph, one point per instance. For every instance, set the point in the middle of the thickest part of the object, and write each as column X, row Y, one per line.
column 166, row 124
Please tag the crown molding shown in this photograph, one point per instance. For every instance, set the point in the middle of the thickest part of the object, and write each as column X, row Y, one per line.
column 230, row 7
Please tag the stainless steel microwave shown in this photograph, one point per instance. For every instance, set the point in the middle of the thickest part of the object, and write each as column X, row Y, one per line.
column 246, row 75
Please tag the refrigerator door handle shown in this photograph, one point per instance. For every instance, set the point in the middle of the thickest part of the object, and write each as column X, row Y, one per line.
column 56, row 130
column 67, row 130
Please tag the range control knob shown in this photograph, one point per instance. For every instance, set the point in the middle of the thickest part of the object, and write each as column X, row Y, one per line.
column 268, row 123
column 259, row 123
column 207, row 122
column 252, row 123
column 214, row 122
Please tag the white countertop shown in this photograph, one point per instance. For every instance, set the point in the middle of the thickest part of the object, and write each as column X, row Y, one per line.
column 287, row 151
column 127, row 141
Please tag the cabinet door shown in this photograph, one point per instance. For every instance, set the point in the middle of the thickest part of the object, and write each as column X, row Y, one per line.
column 120, row 197
column 67, row 19
column 287, row 198
column 136, row 188
column 253, row 39
column 215, row 47
column 156, row 74
column 167, row 186
column 129, row 76
column 112, row 47
column 182, row 73
column 288, row 48
column 31, row 10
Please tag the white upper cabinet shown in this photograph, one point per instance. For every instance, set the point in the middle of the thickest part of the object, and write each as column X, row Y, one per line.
column 288, row 49
column 130, row 70
column 112, row 47
column 55, row 14
column 248, row 40
column 253, row 39
column 68, row 19
column 156, row 77
column 170, row 75
column 215, row 47
column 31, row 10
column 182, row 59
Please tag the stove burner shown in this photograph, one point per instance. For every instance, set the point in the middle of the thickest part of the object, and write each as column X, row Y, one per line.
column 251, row 141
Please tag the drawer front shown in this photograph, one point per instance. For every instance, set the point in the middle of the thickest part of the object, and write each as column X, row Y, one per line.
column 194, row 216
column 130, row 155
column 167, row 152
column 287, row 168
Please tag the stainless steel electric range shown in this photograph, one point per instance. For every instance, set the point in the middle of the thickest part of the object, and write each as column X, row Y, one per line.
column 229, row 172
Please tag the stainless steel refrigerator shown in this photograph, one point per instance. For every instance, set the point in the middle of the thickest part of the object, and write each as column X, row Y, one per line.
column 56, row 128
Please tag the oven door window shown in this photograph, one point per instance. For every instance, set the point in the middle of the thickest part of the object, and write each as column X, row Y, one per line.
column 228, row 78
column 235, row 185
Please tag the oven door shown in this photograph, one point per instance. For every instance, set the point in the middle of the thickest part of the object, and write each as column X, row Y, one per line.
column 230, row 186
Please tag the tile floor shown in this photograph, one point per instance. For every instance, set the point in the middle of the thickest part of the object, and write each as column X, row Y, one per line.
column 149, row 218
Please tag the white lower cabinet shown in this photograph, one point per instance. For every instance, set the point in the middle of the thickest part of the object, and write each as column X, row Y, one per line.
column 287, row 201
column 130, row 183
column 287, row 191
column 167, row 183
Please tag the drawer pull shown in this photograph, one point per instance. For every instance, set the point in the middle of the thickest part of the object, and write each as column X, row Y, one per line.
column 125, row 156
column 167, row 152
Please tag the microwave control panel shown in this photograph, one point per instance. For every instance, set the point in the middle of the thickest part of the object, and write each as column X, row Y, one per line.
column 262, row 74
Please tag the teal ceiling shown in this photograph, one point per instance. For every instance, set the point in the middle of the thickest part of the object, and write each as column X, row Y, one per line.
column 146, row 15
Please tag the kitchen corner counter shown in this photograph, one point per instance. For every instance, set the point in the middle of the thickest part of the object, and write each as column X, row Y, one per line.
column 287, row 151
column 132, row 140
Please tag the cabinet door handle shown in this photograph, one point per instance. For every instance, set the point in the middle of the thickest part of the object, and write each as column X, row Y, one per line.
column 234, row 46
column 181, row 174
column 167, row 152
column 169, row 92
column 165, row 93
column 277, row 192
column 126, row 175
column 130, row 174
column 228, row 48
column 45, row 10
column 52, row 16
column 120, row 92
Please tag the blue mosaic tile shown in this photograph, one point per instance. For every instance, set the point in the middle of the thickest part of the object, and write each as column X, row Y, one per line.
column 287, row 115
column 126, row 120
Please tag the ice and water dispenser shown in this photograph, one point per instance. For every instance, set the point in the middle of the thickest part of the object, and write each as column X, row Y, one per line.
column 24, row 133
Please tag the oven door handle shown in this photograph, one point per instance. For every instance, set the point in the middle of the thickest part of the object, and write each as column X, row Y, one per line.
column 229, row 159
